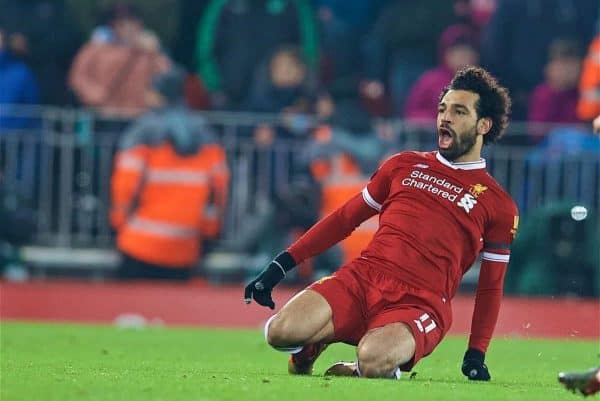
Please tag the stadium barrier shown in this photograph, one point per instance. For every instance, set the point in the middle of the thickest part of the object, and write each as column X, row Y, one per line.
column 58, row 164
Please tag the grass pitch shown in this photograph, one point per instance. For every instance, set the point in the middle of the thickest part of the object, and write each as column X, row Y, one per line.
column 70, row 362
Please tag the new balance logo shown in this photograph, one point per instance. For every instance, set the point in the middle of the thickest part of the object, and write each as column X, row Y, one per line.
column 420, row 165
column 425, row 327
column 467, row 202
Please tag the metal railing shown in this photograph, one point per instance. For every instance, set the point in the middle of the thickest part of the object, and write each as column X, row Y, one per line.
column 59, row 166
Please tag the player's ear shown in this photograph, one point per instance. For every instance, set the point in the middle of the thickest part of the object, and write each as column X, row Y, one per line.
column 484, row 125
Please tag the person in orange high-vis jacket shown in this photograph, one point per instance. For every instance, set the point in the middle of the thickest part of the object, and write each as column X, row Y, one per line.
column 588, row 106
column 169, row 187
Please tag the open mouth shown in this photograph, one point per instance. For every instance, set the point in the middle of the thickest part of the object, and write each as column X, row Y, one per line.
column 445, row 137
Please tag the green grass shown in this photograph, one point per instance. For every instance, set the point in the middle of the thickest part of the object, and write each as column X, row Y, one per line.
column 70, row 362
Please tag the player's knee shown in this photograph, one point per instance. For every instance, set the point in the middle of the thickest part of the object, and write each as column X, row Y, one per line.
column 280, row 332
column 380, row 354
column 382, row 367
column 375, row 362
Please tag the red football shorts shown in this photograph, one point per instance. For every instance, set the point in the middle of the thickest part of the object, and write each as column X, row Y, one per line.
column 363, row 298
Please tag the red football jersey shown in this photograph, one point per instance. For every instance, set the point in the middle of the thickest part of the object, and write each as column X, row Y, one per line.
column 436, row 217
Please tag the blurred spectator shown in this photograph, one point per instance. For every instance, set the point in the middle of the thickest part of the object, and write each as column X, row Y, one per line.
column 342, row 108
column 401, row 45
column 555, row 99
column 18, row 86
column 457, row 48
column 589, row 85
column 596, row 125
column 169, row 187
column 475, row 12
column 343, row 24
column 104, row 33
column 47, row 34
column 93, row 17
column 18, row 92
column 278, row 86
column 185, row 41
column 515, row 41
column 235, row 36
column 114, row 33
column 112, row 76
column 19, row 46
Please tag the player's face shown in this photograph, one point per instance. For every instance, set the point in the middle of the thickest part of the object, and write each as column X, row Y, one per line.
column 457, row 123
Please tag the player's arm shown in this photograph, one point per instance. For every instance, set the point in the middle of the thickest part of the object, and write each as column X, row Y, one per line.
column 487, row 303
column 495, row 257
column 332, row 229
column 485, row 316
column 326, row 233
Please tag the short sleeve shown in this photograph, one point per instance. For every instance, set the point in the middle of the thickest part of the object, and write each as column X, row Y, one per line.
column 500, row 233
column 378, row 187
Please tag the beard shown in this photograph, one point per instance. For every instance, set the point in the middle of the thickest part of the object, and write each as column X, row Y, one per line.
column 461, row 144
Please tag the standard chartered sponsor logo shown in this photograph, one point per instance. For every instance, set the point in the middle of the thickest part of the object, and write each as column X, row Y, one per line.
column 435, row 185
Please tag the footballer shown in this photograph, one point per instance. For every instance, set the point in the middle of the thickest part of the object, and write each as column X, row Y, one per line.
column 438, row 211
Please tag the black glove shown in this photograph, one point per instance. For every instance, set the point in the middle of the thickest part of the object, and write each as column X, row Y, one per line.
column 473, row 366
column 260, row 288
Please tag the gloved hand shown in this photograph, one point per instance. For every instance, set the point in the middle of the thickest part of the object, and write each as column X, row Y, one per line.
column 473, row 366
column 261, row 287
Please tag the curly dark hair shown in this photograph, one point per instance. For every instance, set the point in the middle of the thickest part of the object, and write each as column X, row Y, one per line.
column 494, row 102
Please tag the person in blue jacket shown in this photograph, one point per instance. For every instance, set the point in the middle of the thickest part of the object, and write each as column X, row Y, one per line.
column 18, row 86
